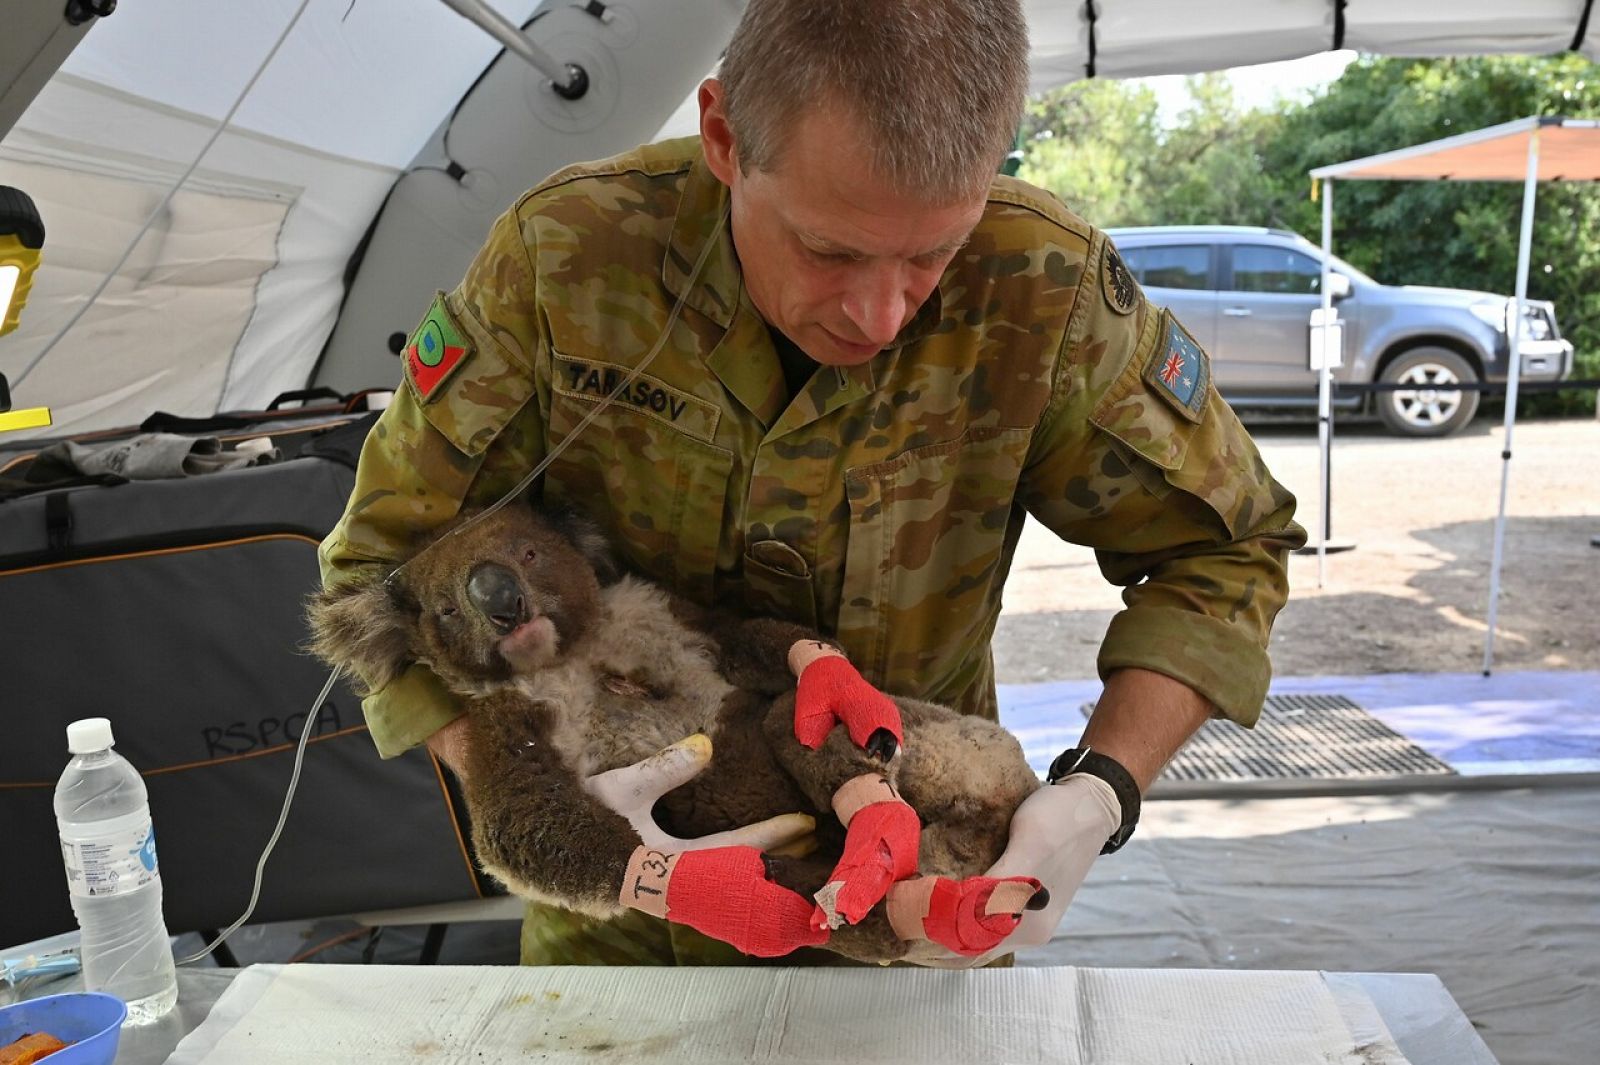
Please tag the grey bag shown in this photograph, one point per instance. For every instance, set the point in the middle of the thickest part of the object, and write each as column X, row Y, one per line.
column 176, row 609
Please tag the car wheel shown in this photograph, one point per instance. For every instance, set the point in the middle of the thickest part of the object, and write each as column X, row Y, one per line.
column 1429, row 407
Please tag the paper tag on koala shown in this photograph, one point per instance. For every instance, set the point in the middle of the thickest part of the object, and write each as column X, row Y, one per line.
column 644, row 885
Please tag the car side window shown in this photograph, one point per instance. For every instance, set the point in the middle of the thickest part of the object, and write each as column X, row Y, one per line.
column 1263, row 268
column 1170, row 265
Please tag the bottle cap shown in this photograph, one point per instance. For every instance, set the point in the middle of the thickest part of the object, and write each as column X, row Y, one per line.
column 90, row 734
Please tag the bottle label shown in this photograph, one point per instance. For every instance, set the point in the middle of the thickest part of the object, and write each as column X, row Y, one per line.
column 110, row 857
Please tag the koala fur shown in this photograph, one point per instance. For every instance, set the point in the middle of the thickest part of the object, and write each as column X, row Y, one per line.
column 571, row 668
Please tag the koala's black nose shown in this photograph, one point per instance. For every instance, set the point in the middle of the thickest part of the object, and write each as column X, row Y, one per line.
column 494, row 591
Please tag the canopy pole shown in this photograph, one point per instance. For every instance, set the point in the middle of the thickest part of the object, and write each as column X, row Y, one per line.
column 1514, row 331
column 1325, row 383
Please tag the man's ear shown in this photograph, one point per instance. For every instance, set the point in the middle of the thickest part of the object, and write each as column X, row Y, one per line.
column 716, row 133
column 363, row 625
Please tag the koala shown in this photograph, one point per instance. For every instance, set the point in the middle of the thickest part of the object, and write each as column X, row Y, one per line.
column 571, row 667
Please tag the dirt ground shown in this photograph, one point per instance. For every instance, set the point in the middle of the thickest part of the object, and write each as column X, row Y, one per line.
column 1412, row 596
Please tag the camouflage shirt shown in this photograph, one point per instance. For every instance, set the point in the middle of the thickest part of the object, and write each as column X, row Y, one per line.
column 883, row 502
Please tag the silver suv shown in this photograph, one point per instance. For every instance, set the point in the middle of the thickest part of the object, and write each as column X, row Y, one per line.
column 1247, row 295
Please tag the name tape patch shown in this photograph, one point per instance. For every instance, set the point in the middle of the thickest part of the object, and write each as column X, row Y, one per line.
column 1179, row 371
column 596, row 380
column 435, row 350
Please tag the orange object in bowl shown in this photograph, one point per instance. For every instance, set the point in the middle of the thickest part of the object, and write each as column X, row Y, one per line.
column 30, row 1048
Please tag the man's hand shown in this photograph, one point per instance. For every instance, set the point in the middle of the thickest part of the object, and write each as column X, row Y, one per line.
column 449, row 745
column 632, row 791
column 1056, row 835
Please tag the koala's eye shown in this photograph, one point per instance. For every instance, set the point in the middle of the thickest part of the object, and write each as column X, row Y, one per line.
column 529, row 555
column 448, row 612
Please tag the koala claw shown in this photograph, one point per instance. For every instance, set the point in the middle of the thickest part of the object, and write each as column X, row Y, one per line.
column 882, row 745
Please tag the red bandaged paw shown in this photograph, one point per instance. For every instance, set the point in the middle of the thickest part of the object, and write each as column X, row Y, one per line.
column 831, row 691
column 880, row 847
column 959, row 916
column 724, row 892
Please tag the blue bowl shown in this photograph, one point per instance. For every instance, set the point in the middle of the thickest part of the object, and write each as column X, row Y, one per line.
column 89, row 1020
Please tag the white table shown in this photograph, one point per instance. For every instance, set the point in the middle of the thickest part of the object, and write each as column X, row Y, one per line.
column 1427, row 1025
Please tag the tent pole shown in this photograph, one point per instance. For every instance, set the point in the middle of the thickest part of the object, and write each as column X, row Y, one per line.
column 569, row 81
column 1325, row 382
column 1514, row 331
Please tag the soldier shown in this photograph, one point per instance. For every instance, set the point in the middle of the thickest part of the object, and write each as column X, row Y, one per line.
column 886, row 357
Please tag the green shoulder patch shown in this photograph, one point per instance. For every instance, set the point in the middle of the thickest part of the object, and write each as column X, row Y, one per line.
column 1122, row 294
column 435, row 350
column 1178, row 369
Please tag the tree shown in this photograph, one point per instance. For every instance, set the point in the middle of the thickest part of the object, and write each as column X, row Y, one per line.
column 1089, row 143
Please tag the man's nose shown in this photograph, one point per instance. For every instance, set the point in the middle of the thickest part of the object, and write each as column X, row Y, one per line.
column 876, row 303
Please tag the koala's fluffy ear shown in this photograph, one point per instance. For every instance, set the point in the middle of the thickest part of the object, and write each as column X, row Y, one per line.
column 364, row 626
column 588, row 539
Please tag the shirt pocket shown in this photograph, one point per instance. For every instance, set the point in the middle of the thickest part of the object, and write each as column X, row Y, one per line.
column 657, row 493
column 930, row 531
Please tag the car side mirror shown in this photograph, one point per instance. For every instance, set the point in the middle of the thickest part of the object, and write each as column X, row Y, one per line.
column 1338, row 285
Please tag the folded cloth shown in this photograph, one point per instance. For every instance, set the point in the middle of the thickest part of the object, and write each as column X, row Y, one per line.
column 151, row 456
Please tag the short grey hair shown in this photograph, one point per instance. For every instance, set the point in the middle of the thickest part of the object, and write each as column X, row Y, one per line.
column 938, row 85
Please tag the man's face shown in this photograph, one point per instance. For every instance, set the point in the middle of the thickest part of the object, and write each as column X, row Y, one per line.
column 833, row 258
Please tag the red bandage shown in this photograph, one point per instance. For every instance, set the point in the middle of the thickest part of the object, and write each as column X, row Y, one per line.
column 831, row 691
column 880, row 847
column 957, row 917
column 724, row 892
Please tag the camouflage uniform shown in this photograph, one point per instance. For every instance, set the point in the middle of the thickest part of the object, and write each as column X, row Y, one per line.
column 884, row 502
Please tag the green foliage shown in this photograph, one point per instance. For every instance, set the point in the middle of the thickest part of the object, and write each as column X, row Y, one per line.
column 1099, row 147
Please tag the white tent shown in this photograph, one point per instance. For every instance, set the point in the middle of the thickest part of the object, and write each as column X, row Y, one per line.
column 1529, row 150
column 368, row 144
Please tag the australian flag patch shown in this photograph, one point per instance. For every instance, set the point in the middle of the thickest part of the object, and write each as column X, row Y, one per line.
column 1179, row 370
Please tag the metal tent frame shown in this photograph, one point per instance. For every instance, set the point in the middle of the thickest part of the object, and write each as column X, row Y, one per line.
column 1530, row 150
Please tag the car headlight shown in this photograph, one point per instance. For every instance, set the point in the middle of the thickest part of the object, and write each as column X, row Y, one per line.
column 1491, row 314
column 1535, row 326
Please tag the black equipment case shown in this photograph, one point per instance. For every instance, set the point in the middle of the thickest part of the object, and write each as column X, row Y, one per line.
column 176, row 609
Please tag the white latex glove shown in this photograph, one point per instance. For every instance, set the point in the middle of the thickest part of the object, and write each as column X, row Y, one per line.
column 632, row 791
column 1056, row 834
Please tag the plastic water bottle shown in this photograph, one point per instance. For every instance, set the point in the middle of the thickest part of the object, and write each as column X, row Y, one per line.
column 109, row 847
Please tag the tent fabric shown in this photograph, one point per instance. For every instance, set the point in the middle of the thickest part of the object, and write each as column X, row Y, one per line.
column 249, row 290
column 362, row 91
column 1569, row 150
column 223, row 295
column 1137, row 38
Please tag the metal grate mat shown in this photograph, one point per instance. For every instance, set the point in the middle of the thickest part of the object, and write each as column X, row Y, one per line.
column 1301, row 738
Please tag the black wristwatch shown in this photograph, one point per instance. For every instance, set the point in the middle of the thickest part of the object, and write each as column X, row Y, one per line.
column 1085, row 760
